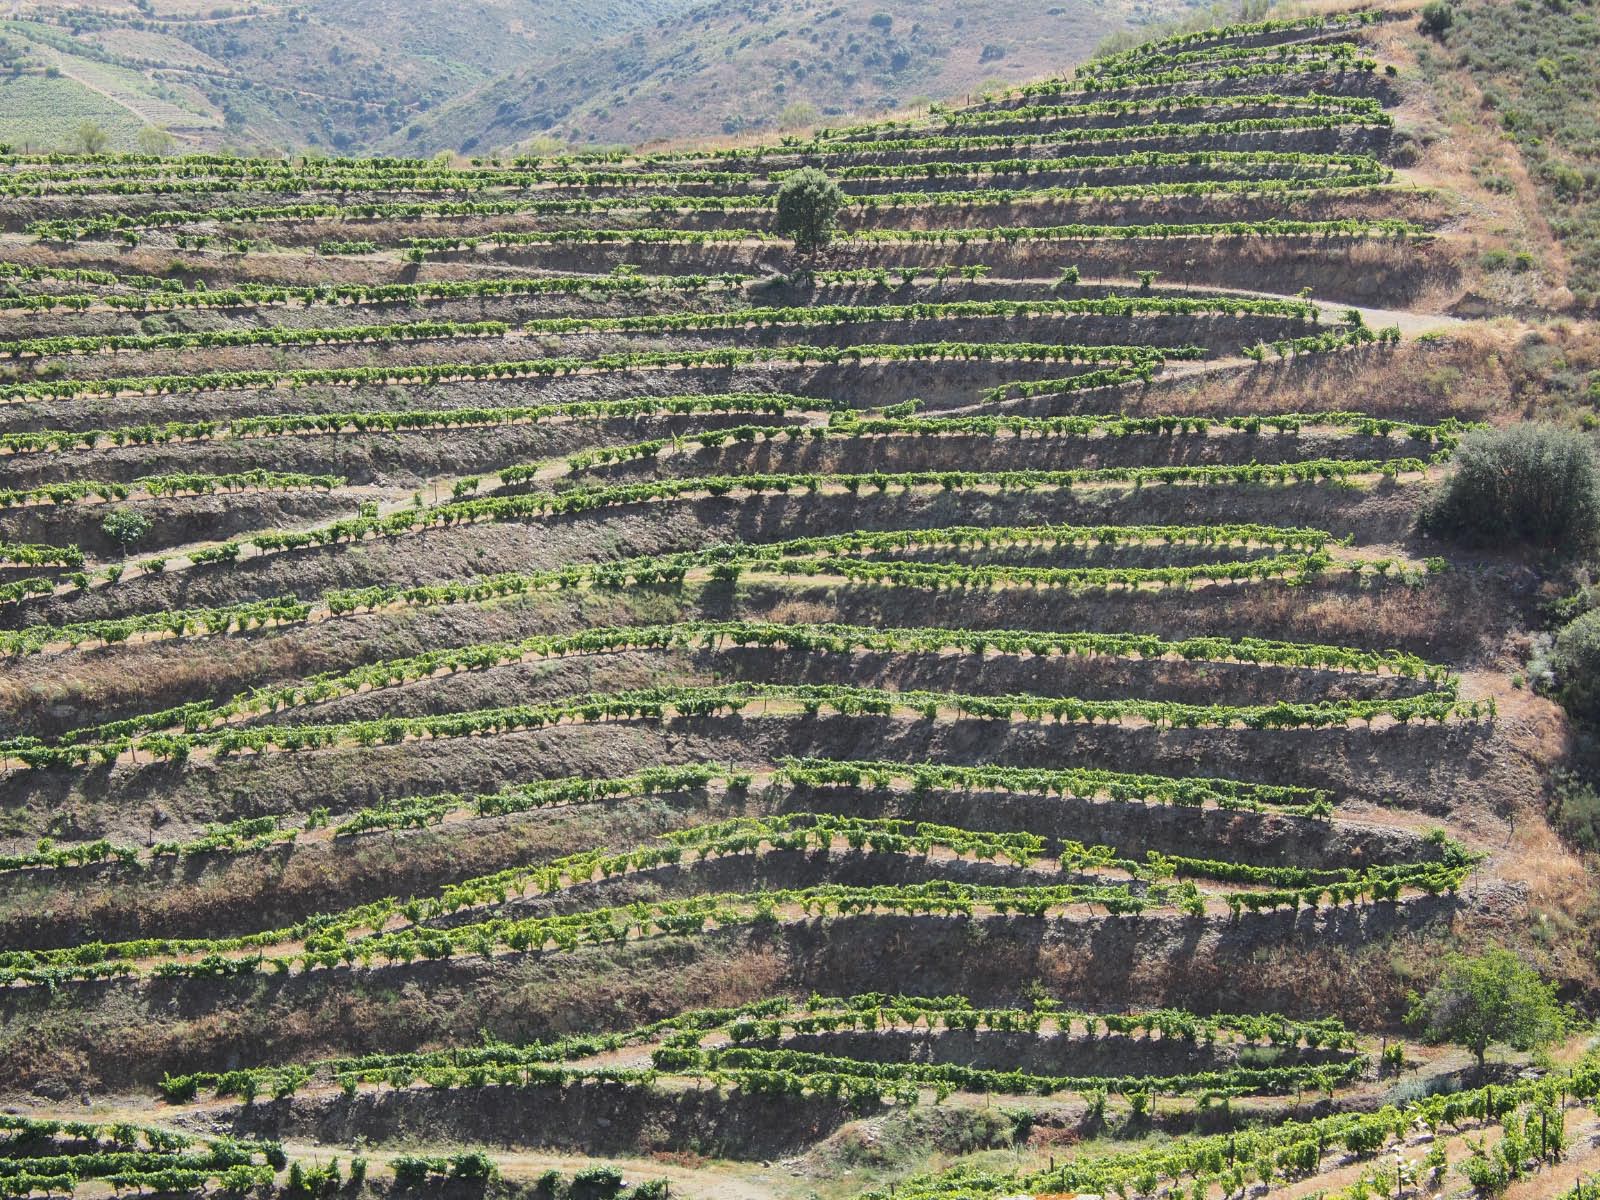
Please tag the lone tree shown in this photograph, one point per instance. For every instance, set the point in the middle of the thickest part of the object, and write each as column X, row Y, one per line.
column 808, row 209
column 156, row 141
column 1577, row 666
column 1437, row 16
column 1495, row 997
column 1529, row 483
column 92, row 139
column 125, row 526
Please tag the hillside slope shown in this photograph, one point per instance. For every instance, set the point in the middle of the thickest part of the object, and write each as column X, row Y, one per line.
column 1534, row 71
column 321, row 75
column 736, row 66
column 332, row 76
column 519, row 674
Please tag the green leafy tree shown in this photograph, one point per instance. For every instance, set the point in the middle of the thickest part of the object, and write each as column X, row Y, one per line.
column 126, row 527
column 1577, row 666
column 808, row 209
column 156, row 141
column 92, row 138
column 1490, row 999
column 799, row 114
column 1529, row 483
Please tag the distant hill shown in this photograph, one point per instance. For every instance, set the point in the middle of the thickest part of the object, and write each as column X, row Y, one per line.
column 405, row 76
column 735, row 66
column 325, row 74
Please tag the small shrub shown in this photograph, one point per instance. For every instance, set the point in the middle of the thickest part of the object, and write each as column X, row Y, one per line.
column 596, row 1183
column 410, row 1170
column 1529, row 483
column 177, row 1091
column 1437, row 16
column 474, row 1165
column 125, row 527
column 1575, row 810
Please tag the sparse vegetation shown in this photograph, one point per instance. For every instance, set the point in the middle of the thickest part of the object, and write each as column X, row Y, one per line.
column 1525, row 60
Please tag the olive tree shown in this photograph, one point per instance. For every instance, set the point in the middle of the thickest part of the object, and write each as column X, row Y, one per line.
column 1526, row 484
column 1490, row 999
column 1576, row 662
column 156, row 141
column 808, row 209
column 92, row 138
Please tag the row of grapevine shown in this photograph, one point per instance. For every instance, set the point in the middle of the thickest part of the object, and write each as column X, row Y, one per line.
column 544, row 368
column 834, row 639
column 56, row 441
column 662, row 570
column 172, row 484
column 658, row 704
column 140, row 182
column 737, row 318
column 257, row 295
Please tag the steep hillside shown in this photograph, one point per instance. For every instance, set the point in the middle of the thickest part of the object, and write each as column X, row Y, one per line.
column 333, row 76
column 326, row 74
column 736, row 66
column 1534, row 71
column 48, row 110
column 519, row 680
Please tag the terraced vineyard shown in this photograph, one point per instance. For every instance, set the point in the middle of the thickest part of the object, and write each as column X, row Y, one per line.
column 512, row 664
